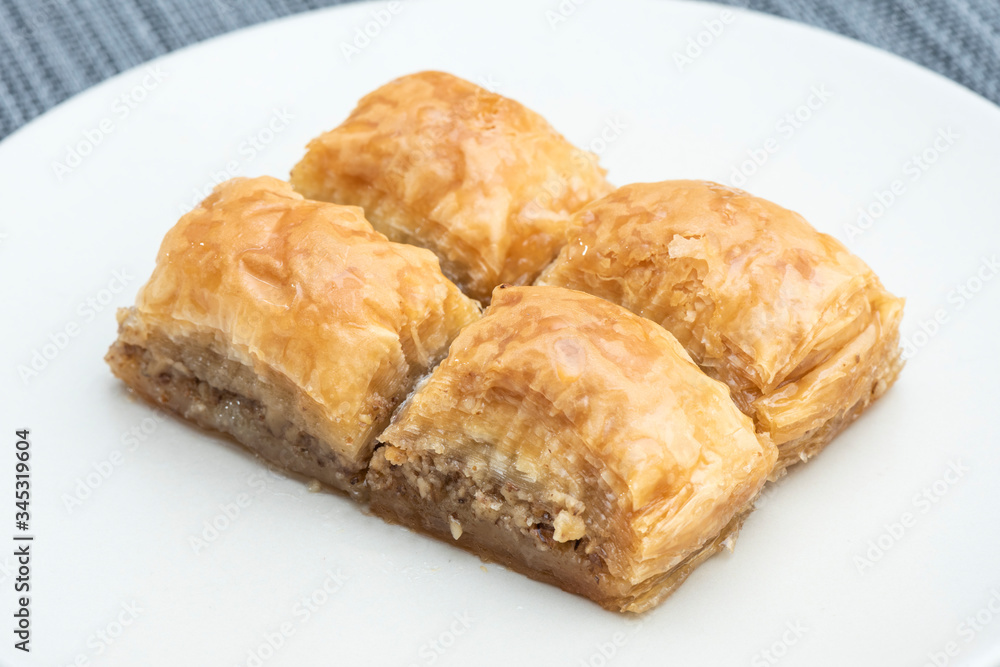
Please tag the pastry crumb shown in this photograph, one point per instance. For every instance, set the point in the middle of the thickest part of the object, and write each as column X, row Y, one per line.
column 314, row 486
column 568, row 527
column 456, row 527
column 395, row 455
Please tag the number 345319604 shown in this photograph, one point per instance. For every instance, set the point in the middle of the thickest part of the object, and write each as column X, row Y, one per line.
column 22, row 480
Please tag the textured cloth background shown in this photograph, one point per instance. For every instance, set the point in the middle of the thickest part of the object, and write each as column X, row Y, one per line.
column 52, row 49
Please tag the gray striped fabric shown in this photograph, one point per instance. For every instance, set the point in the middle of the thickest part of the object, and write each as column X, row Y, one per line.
column 52, row 49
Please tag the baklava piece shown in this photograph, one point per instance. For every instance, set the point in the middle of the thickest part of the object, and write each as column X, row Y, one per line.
column 570, row 440
column 441, row 163
column 800, row 329
column 290, row 325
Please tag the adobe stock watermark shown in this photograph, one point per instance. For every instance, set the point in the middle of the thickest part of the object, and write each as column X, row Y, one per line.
column 957, row 299
column 87, row 311
column 101, row 471
column 273, row 640
column 8, row 568
column 431, row 650
column 562, row 12
column 122, row 107
column 364, row 35
column 36, row 16
column 226, row 6
column 966, row 631
column 556, row 186
column 700, row 42
column 248, row 149
column 770, row 489
column 785, row 128
column 911, row 172
column 921, row 503
column 102, row 639
column 229, row 512
column 606, row 651
column 42, row 12
column 422, row 148
column 779, row 648
column 612, row 130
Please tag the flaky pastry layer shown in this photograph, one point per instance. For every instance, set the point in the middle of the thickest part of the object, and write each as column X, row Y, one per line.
column 592, row 421
column 800, row 329
column 439, row 162
column 502, row 523
column 221, row 394
column 328, row 323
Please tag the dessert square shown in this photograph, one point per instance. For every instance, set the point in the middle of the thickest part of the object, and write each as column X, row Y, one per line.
column 575, row 442
column 801, row 330
column 288, row 324
column 439, row 162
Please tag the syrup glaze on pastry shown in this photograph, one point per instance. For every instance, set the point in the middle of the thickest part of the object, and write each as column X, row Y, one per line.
column 438, row 162
column 569, row 439
column 801, row 330
column 289, row 324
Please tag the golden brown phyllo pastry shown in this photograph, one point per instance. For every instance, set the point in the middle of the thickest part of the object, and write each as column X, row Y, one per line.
column 800, row 329
column 441, row 163
column 573, row 441
column 565, row 434
column 289, row 324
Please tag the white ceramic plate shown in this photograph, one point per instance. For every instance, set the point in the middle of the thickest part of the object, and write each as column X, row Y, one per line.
column 885, row 550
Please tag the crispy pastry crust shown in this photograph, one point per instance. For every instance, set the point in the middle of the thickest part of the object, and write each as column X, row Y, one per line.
column 800, row 329
column 498, row 526
column 294, row 311
column 576, row 442
column 439, row 162
column 189, row 381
